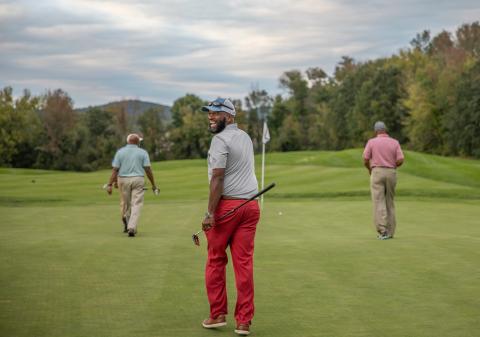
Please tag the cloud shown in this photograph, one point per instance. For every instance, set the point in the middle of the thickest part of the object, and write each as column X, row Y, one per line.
column 99, row 50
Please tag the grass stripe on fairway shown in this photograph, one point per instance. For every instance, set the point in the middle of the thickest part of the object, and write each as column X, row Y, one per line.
column 66, row 268
column 297, row 174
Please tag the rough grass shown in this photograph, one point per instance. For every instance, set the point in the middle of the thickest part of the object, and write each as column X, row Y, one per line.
column 67, row 270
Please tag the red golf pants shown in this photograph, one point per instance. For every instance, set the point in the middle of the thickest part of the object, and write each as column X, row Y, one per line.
column 238, row 231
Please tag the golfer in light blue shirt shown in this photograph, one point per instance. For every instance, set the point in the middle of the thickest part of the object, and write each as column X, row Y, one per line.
column 128, row 168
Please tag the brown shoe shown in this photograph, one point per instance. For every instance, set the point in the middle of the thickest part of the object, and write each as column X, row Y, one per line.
column 215, row 322
column 242, row 329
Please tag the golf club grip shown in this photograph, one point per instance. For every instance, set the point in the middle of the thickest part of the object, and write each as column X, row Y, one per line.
column 269, row 187
column 266, row 189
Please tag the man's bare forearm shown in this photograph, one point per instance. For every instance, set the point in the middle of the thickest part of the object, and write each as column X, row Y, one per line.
column 149, row 173
column 113, row 176
column 366, row 162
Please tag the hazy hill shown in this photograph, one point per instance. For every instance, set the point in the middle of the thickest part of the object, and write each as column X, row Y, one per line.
column 133, row 107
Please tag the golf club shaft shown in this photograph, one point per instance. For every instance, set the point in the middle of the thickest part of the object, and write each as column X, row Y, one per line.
column 269, row 187
column 145, row 189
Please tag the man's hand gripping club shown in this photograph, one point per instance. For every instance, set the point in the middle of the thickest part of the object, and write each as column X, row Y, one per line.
column 209, row 221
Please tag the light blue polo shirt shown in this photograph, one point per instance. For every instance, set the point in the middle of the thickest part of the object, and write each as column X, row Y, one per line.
column 131, row 160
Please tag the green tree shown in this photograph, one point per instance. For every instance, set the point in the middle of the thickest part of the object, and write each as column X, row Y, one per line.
column 33, row 132
column 189, row 137
column 380, row 97
column 153, row 131
column 421, row 42
column 64, row 147
column 346, row 67
column 441, row 43
column 297, row 88
column 10, row 125
column 58, row 117
column 430, row 92
column 102, row 138
column 123, row 123
column 423, row 126
column 20, row 129
column 463, row 121
column 278, row 113
column 468, row 38
column 258, row 104
column 317, row 102
column 193, row 102
column 289, row 136
column 241, row 116
column 316, row 76
column 343, row 92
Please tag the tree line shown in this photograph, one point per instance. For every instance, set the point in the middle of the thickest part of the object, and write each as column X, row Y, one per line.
column 428, row 94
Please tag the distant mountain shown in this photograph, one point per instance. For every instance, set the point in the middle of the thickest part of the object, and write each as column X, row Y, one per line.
column 133, row 107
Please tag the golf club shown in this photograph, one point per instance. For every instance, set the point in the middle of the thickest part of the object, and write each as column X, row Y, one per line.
column 196, row 239
column 156, row 191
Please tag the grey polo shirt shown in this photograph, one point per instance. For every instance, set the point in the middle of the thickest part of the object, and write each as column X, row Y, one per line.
column 131, row 160
column 232, row 149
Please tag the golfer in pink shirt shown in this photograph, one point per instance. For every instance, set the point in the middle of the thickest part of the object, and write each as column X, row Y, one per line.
column 382, row 155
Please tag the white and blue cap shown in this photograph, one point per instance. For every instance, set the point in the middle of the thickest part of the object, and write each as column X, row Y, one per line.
column 220, row 104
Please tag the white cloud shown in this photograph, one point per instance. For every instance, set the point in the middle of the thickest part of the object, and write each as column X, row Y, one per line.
column 9, row 11
column 149, row 48
column 64, row 31
column 87, row 62
column 129, row 16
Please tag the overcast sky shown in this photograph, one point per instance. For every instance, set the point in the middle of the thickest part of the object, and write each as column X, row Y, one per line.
column 159, row 50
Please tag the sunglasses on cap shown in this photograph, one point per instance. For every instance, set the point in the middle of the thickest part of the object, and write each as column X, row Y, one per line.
column 215, row 103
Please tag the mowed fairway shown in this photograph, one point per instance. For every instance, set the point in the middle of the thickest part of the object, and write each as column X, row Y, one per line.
column 67, row 270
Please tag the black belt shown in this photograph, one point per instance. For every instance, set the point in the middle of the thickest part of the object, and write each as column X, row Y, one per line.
column 226, row 197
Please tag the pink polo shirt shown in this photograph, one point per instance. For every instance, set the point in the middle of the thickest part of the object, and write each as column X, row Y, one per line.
column 383, row 151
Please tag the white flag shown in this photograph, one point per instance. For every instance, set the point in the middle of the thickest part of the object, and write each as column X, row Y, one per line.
column 266, row 134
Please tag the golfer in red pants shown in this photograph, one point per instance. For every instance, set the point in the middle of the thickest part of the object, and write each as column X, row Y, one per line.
column 231, row 172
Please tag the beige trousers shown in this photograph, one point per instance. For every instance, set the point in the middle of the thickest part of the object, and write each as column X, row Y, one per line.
column 382, row 185
column 131, row 202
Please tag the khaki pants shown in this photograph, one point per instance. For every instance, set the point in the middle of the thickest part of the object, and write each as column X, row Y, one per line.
column 131, row 202
column 382, row 185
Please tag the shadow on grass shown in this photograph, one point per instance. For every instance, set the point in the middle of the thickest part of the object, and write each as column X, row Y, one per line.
column 26, row 201
column 366, row 194
column 347, row 195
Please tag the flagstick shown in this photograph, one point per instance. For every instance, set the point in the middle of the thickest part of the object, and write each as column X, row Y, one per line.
column 265, row 139
column 263, row 173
